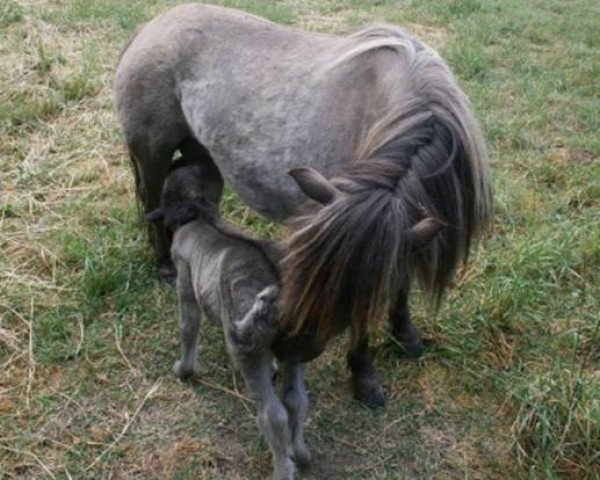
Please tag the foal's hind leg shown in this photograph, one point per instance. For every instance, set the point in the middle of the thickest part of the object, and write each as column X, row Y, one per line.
column 365, row 379
column 402, row 328
column 295, row 399
column 272, row 416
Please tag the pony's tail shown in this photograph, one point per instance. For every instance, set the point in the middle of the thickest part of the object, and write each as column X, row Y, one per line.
column 134, row 164
column 424, row 160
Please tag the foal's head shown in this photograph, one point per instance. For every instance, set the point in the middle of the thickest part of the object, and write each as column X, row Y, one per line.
column 182, row 198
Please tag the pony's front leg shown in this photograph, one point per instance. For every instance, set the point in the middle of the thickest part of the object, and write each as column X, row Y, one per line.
column 365, row 379
column 295, row 399
column 189, row 323
column 272, row 416
column 401, row 326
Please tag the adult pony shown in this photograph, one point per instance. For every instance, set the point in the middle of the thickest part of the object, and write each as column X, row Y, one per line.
column 378, row 113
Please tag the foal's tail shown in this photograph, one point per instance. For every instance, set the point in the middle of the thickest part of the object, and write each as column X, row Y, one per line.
column 255, row 332
column 424, row 159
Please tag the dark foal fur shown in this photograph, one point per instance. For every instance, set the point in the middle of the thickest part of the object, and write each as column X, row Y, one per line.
column 234, row 280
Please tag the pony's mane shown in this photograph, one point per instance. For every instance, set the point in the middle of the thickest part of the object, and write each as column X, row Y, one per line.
column 378, row 37
column 430, row 96
column 425, row 156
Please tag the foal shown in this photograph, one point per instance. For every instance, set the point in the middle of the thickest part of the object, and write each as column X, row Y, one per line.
column 233, row 280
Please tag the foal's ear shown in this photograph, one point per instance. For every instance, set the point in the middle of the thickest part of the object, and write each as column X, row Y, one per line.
column 156, row 215
column 179, row 215
column 314, row 185
column 423, row 232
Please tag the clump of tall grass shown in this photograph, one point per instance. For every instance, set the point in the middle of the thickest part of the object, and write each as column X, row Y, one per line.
column 557, row 430
column 10, row 12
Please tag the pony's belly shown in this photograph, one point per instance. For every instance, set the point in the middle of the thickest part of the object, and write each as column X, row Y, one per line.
column 254, row 153
column 269, row 191
column 261, row 118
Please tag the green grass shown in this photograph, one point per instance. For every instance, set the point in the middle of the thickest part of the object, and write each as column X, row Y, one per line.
column 511, row 388
column 10, row 12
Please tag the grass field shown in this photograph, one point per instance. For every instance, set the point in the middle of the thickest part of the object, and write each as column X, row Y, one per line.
column 88, row 334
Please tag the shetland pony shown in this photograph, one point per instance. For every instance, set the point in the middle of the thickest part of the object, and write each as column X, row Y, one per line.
column 377, row 113
column 233, row 280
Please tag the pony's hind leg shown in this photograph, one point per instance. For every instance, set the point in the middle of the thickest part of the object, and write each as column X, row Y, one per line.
column 365, row 379
column 272, row 416
column 151, row 163
column 401, row 326
column 153, row 126
column 295, row 399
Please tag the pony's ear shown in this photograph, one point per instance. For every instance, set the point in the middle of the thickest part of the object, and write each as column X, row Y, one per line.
column 156, row 215
column 314, row 185
column 423, row 232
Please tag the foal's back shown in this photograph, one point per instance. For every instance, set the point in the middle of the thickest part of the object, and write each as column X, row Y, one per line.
column 228, row 269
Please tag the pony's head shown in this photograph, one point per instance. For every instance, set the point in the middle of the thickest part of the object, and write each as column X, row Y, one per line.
column 183, row 197
column 318, row 188
column 350, row 252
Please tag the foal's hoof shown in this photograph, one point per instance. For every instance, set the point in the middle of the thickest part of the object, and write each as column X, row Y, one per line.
column 372, row 396
column 285, row 470
column 183, row 372
column 301, row 455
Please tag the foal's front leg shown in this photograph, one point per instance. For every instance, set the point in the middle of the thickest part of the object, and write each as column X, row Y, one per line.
column 272, row 416
column 189, row 323
column 365, row 379
column 295, row 399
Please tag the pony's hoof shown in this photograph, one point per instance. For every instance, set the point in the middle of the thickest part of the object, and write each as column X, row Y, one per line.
column 183, row 372
column 372, row 397
column 411, row 348
column 167, row 272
